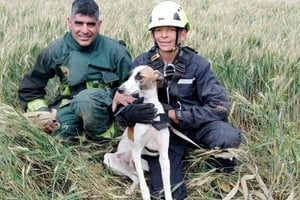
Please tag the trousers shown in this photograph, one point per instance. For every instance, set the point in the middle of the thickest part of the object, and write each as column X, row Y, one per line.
column 211, row 135
column 89, row 111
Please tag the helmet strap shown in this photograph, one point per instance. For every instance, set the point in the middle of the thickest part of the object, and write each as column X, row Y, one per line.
column 177, row 36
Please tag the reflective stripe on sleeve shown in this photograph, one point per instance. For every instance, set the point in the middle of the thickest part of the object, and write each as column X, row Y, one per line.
column 36, row 105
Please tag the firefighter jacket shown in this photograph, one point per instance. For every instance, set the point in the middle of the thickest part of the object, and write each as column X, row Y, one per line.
column 190, row 87
column 104, row 63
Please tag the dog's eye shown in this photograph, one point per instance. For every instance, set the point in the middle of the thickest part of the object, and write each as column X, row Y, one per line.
column 139, row 76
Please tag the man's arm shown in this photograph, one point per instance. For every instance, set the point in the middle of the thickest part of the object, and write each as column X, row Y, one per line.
column 32, row 86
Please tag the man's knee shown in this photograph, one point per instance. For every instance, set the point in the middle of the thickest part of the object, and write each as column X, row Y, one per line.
column 95, row 96
column 93, row 106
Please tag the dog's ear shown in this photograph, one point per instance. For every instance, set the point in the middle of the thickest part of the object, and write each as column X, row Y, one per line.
column 159, row 76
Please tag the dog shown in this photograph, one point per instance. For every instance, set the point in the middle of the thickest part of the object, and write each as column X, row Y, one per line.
column 142, row 139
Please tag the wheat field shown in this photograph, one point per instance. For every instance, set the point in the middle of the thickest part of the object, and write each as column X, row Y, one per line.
column 254, row 50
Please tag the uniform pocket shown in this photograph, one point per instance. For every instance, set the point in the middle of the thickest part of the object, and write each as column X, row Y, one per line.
column 109, row 77
column 102, row 74
column 186, row 87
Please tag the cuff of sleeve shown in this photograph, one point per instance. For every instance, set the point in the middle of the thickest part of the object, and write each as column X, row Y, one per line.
column 37, row 105
column 179, row 114
column 166, row 107
column 184, row 118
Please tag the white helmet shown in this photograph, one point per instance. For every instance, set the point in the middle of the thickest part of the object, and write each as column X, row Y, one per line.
column 168, row 13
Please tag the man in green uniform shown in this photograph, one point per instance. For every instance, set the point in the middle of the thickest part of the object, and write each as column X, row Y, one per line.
column 90, row 66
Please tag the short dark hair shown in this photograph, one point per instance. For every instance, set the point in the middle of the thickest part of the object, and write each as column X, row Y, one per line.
column 85, row 7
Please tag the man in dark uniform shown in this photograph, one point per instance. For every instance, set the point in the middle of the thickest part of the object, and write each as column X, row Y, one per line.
column 196, row 103
column 89, row 66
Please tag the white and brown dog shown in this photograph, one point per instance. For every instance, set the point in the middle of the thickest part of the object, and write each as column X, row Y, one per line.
column 142, row 138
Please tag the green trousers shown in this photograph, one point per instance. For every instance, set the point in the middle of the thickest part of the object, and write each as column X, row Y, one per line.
column 88, row 112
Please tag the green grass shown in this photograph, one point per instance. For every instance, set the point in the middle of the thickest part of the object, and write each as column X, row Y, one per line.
column 254, row 49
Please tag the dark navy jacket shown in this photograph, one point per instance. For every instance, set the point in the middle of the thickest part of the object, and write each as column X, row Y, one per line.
column 198, row 97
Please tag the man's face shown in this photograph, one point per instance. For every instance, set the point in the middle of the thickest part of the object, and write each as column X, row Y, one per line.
column 84, row 29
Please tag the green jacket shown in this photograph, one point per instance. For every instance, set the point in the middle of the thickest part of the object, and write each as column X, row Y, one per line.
column 104, row 63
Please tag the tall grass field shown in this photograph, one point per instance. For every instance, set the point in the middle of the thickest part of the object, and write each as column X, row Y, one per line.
column 254, row 50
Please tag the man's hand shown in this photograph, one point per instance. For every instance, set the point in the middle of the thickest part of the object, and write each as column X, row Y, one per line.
column 121, row 99
column 44, row 119
column 136, row 112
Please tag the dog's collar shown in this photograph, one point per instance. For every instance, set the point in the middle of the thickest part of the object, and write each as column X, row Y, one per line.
column 163, row 122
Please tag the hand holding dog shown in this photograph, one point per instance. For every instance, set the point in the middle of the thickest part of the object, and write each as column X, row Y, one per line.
column 136, row 112
column 121, row 99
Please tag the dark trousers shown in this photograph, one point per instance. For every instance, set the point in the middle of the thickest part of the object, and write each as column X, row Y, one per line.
column 211, row 135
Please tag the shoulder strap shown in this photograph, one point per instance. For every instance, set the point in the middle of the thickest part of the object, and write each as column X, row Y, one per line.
column 183, row 59
column 155, row 58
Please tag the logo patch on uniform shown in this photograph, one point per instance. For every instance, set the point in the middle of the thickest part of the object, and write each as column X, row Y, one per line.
column 186, row 81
